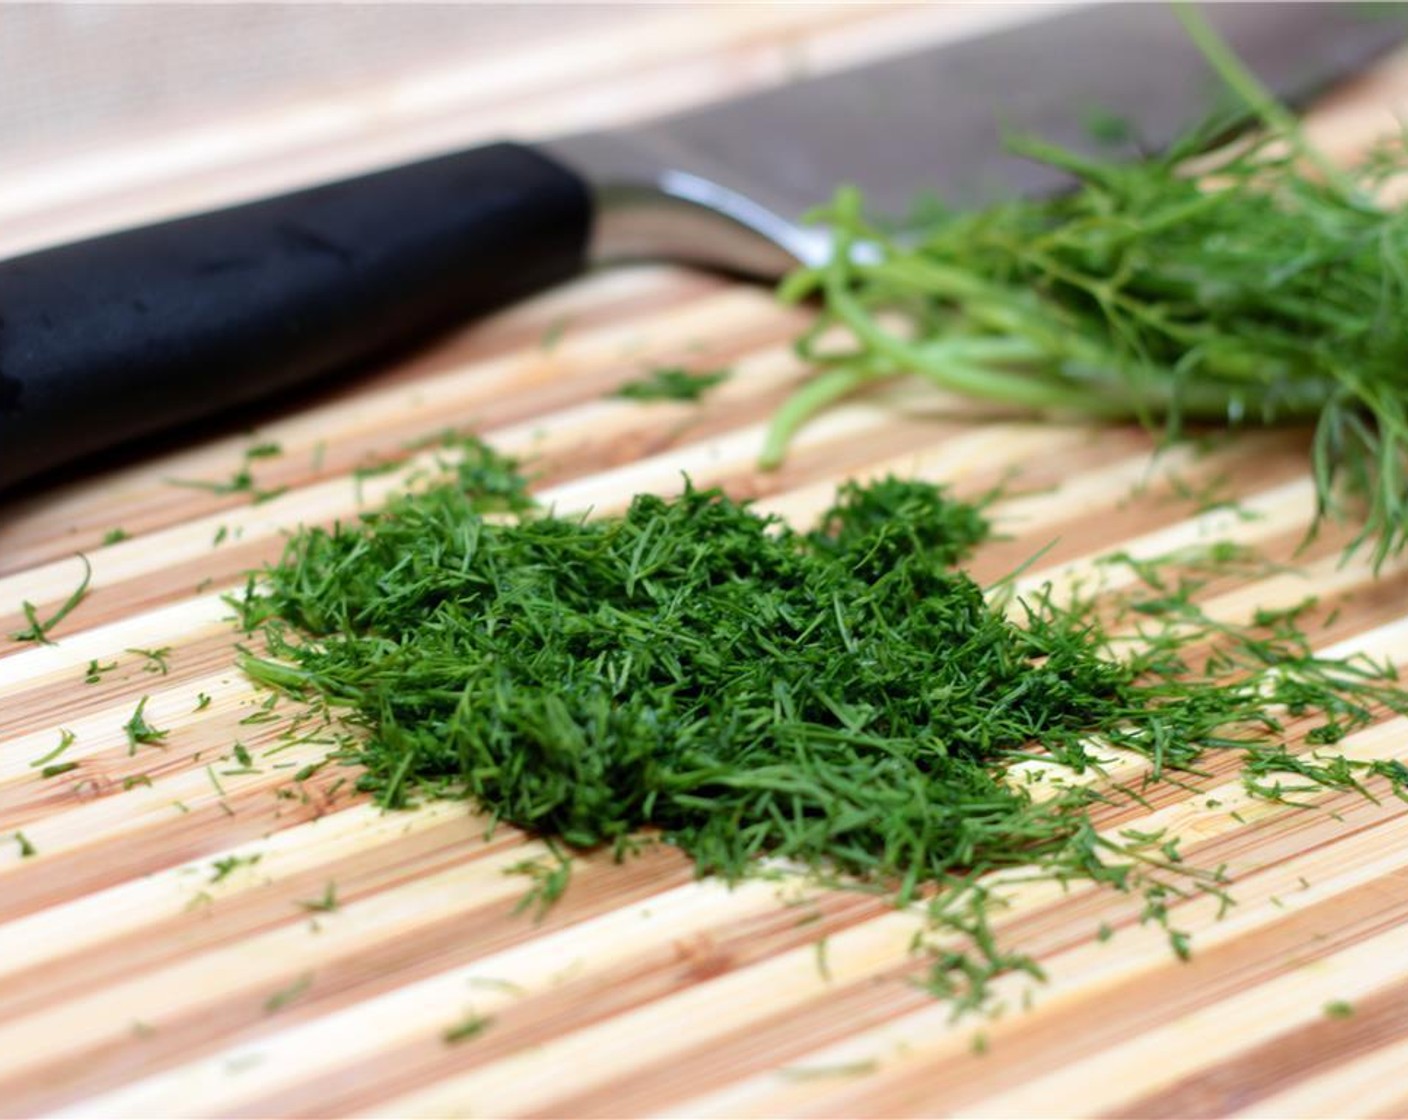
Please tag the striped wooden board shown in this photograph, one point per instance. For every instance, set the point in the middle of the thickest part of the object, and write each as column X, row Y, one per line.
column 156, row 955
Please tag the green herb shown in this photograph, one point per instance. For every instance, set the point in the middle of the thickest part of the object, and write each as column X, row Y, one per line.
column 844, row 699
column 1255, row 292
column 846, row 1069
column 155, row 659
column 95, row 671
column 66, row 740
column 469, row 1027
column 281, row 999
column 115, row 536
column 38, row 631
column 242, row 755
column 672, row 383
column 324, row 905
column 26, row 848
column 139, row 731
column 202, row 702
column 553, row 334
column 225, row 866
column 550, row 878
column 132, row 781
column 1339, row 1009
column 57, row 768
column 241, row 482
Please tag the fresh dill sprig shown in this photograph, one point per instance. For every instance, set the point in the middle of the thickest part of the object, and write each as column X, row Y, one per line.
column 672, row 383
column 1266, row 289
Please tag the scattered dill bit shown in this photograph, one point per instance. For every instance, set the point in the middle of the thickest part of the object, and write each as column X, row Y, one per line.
column 54, row 770
column 306, row 772
column 38, row 631
column 494, row 984
column 242, row 755
column 155, row 660
column 1263, row 290
column 672, row 383
column 202, row 702
column 199, row 899
column 220, row 536
column 823, row 966
column 978, row 1044
column 327, row 904
column 26, row 848
column 66, row 740
column 469, row 1027
column 745, row 690
column 549, row 876
column 214, row 780
column 845, row 1069
column 1339, row 1009
column 132, row 781
column 222, row 868
column 552, row 335
column 1104, row 933
column 115, row 536
column 180, row 806
column 282, row 998
column 139, row 731
column 95, row 671
column 241, row 482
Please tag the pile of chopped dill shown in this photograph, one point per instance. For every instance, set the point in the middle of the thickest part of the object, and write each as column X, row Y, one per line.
column 846, row 699
column 1258, row 284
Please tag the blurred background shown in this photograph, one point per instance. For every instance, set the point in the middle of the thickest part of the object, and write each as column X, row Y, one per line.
column 111, row 114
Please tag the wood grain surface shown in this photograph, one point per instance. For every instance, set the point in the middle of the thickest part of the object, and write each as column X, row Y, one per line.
column 138, row 980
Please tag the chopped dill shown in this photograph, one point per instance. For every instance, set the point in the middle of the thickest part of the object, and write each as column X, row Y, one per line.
column 155, row 660
column 846, row 699
column 225, row 866
column 115, row 536
column 38, row 631
column 202, row 702
column 672, row 383
column 26, row 848
column 469, row 1027
column 1339, row 1009
column 285, row 996
column 553, row 333
column 549, row 876
column 139, row 731
column 846, row 1069
column 57, row 768
column 66, row 740
column 95, row 671
column 326, row 904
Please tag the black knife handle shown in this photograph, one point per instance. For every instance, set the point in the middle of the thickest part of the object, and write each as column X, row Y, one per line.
column 104, row 341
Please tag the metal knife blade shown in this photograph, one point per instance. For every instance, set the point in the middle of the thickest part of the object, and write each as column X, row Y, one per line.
column 726, row 186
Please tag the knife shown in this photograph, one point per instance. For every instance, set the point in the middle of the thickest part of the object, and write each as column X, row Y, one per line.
column 111, row 339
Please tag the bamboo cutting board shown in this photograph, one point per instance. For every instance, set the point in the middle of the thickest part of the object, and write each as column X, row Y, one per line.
column 156, row 957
